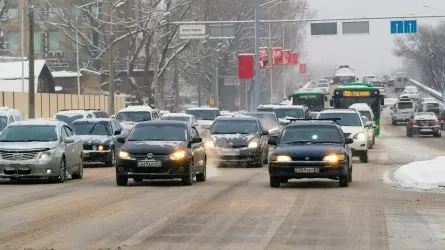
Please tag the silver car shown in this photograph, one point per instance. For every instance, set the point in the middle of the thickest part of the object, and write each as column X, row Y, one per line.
column 42, row 149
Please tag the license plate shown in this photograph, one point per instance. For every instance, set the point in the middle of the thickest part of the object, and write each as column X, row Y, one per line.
column 307, row 170
column 426, row 130
column 230, row 152
column 149, row 164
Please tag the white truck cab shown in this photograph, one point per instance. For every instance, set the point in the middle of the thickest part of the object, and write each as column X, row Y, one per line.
column 8, row 116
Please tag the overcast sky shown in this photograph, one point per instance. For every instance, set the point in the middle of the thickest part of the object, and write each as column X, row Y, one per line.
column 371, row 53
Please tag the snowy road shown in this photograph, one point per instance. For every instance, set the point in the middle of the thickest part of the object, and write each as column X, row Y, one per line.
column 234, row 209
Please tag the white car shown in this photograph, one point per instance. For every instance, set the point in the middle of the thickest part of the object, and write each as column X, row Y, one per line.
column 323, row 85
column 131, row 115
column 412, row 92
column 205, row 117
column 353, row 127
column 366, row 111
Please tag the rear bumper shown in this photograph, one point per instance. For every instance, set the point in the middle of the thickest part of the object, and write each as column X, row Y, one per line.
column 424, row 130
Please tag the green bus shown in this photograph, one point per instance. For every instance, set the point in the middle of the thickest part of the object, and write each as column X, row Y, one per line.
column 313, row 98
column 359, row 92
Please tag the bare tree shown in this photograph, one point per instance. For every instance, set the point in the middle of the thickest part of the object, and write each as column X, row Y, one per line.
column 3, row 10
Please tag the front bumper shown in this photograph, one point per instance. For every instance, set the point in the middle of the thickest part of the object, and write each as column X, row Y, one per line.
column 360, row 145
column 169, row 169
column 235, row 155
column 30, row 168
column 91, row 157
column 289, row 169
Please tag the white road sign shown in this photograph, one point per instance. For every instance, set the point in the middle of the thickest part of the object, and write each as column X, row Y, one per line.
column 192, row 31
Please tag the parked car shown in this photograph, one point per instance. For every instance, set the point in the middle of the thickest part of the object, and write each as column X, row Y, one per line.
column 42, row 149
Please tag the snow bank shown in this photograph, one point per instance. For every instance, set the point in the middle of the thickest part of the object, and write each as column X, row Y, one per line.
column 428, row 174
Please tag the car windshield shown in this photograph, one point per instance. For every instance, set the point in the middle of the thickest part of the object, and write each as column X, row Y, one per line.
column 202, row 114
column 234, row 127
column 268, row 121
column 323, row 85
column 89, row 128
column 367, row 114
column 290, row 112
column 176, row 118
column 27, row 133
column 405, row 105
column 310, row 134
column 158, row 132
column 3, row 122
column 133, row 116
column 69, row 119
column 346, row 119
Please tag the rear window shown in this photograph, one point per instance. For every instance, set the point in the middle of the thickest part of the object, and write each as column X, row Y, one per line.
column 405, row 105
column 432, row 105
column 101, row 114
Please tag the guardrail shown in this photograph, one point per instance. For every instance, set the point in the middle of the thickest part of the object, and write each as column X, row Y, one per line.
column 433, row 93
column 308, row 84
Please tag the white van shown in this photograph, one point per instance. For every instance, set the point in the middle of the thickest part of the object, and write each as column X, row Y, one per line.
column 8, row 116
column 130, row 115
column 366, row 111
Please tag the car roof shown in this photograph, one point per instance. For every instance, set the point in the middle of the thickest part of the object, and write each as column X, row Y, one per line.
column 178, row 114
column 360, row 106
column 313, row 122
column 163, row 122
column 73, row 112
column 38, row 122
column 268, row 106
column 237, row 118
column 203, row 108
column 260, row 113
column 93, row 120
column 137, row 108
column 425, row 114
column 339, row 111
column 290, row 107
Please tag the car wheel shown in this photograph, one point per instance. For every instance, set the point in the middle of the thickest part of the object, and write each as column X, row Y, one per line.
column 408, row 133
column 112, row 161
column 79, row 173
column 373, row 140
column 188, row 180
column 121, row 180
column 138, row 179
column 394, row 122
column 370, row 145
column 274, row 182
column 284, row 181
column 266, row 157
column 201, row 177
column 364, row 157
column 62, row 175
column 343, row 181
column 260, row 162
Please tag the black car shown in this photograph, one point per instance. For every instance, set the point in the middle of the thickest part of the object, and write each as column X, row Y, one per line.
column 311, row 149
column 99, row 137
column 161, row 149
column 423, row 123
column 238, row 140
column 268, row 120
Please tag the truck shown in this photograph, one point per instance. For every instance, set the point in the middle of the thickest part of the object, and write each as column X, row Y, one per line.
column 401, row 81
column 344, row 74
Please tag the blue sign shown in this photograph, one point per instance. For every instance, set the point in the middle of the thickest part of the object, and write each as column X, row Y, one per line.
column 403, row 27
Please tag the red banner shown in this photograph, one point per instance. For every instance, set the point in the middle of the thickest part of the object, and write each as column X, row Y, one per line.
column 303, row 68
column 264, row 57
column 245, row 66
column 286, row 57
column 294, row 57
column 277, row 56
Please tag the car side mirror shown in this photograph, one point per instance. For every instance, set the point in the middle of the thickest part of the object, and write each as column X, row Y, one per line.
column 197, row 140
column 368, row 124
column 117, row 132
column 273, row 140
column 112, row 116
column 382, row 101
column 265, row 132
column 331, row 103
column 68, row 140
column 349, row 141
column 121, row 139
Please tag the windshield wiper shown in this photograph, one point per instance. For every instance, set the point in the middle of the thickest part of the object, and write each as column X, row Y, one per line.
column 91, row 130
column 327, row 142
column 299, row 142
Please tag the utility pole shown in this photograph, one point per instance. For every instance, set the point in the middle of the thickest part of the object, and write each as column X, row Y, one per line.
column 198, row 71
column 216, row 82
column 22, row 36
column 176, row 82
column 155, row 78
column 111, row 78
column 257, row 85
column 77, row 60
column 31, row 97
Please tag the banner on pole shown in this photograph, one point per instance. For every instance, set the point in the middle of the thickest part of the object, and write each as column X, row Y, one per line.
column 264, row 57
column 303, row 68
column 294, row 57
column 277, row 56
column 245, row 66
column 286, row 57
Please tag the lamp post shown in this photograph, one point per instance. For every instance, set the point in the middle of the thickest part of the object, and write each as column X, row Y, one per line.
column 270, row 56
column 257, row 85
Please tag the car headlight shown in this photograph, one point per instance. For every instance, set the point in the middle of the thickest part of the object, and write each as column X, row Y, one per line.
column 101, row 147
column 253, row 144
column 280, row 158
column 178, row 155
column 209, row 144
column 47, row 155
column 369, row 133
column 124, row 155
column 334, row 158
column 360, row 136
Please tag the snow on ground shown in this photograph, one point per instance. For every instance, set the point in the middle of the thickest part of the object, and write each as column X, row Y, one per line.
column 429, row 174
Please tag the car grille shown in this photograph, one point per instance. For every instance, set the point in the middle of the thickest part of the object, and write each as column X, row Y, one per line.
column 148, row 170
column 426, row 122
column 226, row 145
column 307, row 158
column 143, row 156
column 18, row 156
column 17, row 171
column 347, row 134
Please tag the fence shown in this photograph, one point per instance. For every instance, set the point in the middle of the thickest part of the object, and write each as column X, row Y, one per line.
column 47, row 105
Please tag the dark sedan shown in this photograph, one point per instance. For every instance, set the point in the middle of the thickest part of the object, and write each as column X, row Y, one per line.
column 99, row 137
column 162, row 149
column 423, row 123
column 311, row 149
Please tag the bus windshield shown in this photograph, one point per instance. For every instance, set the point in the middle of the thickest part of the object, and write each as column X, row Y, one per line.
column 315, row 102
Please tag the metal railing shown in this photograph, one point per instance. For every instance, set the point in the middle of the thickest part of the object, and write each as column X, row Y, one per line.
column 433, row 93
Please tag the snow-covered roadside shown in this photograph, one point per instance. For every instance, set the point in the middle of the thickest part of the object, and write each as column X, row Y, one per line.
column 421, row 175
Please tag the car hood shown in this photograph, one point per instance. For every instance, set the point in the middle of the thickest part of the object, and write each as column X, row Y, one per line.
column 307, row 150
column 94, row 139
column 205, row 122
column 235, row 140
column 352, row 129
column 27, row 146
column 154, row 147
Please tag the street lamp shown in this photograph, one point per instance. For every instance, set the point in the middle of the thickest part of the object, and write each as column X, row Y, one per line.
column 270, row 54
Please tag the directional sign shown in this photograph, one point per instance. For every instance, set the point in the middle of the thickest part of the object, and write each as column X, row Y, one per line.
column 192, row 32
column 222, row 31
column 403, row 27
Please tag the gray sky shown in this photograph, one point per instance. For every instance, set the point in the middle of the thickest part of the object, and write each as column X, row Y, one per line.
column 371, row 53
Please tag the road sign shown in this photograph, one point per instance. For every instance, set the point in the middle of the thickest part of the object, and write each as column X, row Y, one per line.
column 361, row 27
column 318, row 29
column 211, row 100
column 192, row 32
column 237, row 102
column 222, row 31
column 403, row 26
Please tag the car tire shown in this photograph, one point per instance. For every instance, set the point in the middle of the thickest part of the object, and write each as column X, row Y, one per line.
column 343, row 181
column 438, row 134
column 112, row 161
column 62, row 176
column 350, row 176
column 79, row 174
column 121, row 181
column 266, row 157
column 364, row 157
column 373, row 140
column 394, row 123
column 275, row 182
column 260, row 162
column 188, row 180
column 408, row 133
column 370, row 145
column 201, row 177
column 138, row 179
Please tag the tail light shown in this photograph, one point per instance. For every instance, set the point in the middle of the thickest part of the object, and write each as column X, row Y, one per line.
column 413, row 123
column 437, row 122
